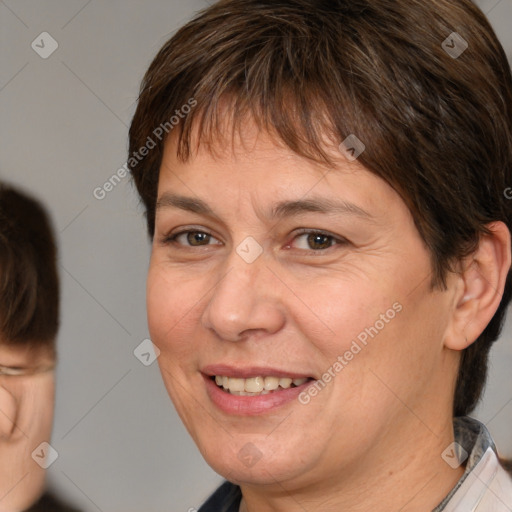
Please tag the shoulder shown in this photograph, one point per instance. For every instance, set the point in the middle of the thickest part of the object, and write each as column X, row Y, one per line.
column 498, row 495
column 225, row 499
column 49, row 503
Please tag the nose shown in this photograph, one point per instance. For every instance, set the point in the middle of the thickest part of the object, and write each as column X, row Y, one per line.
column 246, row 301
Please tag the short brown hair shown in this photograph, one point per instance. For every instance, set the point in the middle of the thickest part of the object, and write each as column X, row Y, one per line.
column 437, row 127
column 29, row 283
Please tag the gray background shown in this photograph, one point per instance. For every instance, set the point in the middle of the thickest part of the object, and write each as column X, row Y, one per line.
column 63, row 133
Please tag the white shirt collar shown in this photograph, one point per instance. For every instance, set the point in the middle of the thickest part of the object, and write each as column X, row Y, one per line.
column 485, row 485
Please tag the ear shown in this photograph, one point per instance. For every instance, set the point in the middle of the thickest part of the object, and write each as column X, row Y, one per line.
column 8, row 413
column 479, row 287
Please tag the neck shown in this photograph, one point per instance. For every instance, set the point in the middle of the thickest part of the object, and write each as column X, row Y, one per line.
column 409, row 475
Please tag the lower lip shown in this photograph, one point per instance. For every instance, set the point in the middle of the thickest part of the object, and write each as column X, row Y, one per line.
column 251, row 405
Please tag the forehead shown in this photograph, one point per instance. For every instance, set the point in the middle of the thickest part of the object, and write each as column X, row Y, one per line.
column 255, row 166
column 240, row 145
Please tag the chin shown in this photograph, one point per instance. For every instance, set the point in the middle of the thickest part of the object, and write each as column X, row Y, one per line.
column 252, row 460
column 23, row 497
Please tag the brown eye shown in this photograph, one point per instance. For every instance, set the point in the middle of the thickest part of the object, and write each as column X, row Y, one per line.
column 191, row 238
column 319, row 241
column 195, row 238
column 315, row 241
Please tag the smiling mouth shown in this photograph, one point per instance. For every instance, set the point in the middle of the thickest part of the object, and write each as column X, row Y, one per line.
column 256, row 386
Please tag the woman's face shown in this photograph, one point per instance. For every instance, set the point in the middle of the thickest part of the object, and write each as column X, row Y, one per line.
column 270, row 270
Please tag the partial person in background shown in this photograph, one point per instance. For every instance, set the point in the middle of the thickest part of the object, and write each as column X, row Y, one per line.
column 29, row 320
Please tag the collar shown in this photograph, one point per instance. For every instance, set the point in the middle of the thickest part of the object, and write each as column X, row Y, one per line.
column 484, row 480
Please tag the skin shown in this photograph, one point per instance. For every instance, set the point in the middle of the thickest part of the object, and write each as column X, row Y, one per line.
column 26, row 416
column 383, row 422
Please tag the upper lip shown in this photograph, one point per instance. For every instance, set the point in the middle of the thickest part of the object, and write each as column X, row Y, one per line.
column 246, row 372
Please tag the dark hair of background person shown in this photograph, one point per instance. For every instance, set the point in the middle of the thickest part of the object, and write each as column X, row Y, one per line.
column 29, row 282
column 437, row 129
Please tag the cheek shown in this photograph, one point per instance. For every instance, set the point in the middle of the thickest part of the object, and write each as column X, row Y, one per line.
column 172, row 309
column 400, row 359
column 374, row 326
column 344, row 311
column 8, row 408
column 40, row 404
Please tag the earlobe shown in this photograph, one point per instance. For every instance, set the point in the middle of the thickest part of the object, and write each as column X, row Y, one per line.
column 481, row 283
column 8, row 413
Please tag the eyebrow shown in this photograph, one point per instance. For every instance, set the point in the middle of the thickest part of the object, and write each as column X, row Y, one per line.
column 321, row 205
column 281, row 210
column 189, row 204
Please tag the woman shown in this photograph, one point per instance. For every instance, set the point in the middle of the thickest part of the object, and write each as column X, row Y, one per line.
column 325, row 189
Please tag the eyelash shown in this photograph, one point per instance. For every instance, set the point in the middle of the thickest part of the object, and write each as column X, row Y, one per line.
column 172, row 239
column 334, row 239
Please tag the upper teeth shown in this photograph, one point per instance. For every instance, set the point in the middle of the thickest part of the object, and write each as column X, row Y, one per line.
column 261, row 385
